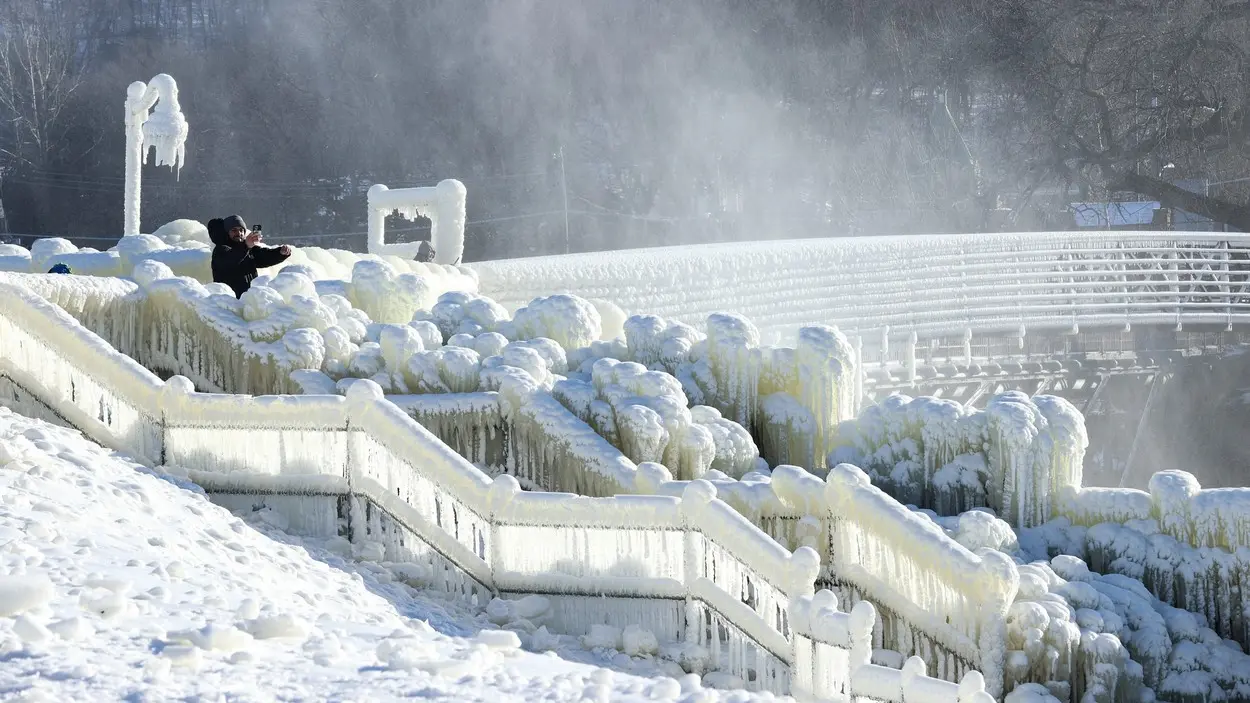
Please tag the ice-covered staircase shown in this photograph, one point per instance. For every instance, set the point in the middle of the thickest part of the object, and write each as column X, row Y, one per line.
column 361, row 466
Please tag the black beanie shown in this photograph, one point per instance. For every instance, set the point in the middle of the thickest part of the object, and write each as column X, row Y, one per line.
column 232, row 222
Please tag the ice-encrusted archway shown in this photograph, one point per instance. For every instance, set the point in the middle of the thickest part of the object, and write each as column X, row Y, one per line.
column 443, row 204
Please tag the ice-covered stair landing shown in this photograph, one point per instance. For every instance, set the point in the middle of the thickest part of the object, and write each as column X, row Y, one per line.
column 716, row 582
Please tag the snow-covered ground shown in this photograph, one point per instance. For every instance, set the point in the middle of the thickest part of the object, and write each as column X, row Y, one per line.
column 117, row 582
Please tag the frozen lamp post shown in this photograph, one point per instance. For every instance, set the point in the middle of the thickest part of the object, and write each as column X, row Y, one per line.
column 164, row 130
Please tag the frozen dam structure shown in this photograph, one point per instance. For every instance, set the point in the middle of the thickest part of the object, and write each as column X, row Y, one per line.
column 724, row 474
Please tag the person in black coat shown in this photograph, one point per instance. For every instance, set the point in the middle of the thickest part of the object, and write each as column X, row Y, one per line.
column 239, row 253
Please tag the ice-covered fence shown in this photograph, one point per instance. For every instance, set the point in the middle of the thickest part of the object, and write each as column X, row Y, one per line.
column 92, row 386
column 172, row 326
column 443, row 204
column 953, row 602
column 1017, row 456
column 829, row 643
column 891, row 287
column 188, row 258
column 109, row 307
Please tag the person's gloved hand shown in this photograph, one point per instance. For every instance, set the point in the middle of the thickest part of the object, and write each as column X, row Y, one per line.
column 285, row 250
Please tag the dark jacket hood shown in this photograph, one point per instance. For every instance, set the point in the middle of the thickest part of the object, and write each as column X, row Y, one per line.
column 217, row 233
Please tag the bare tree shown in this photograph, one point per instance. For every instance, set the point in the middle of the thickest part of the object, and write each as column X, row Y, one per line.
column 39, row 73
column 1112, row 94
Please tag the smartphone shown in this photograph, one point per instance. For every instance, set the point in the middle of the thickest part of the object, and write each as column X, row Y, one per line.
column 255, row 228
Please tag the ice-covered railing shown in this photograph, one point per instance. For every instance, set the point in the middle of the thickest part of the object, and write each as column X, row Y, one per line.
column 178, row 325
column 891, row 287
column 1017, row 456
column 954, row 598
column 744, row 592
column 45, row 353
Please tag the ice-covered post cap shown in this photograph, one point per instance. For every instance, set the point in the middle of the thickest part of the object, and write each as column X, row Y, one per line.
column 503, row 489
column 999, row 577
column 1170, row 495
column 841, row 480
column 863, row 620
column 699, row 492
column 179, row 385
column 971, row 684
column 364, row 391
column 1174, row 484
column 913, row 669
column 175, row 392
column 452, row 189
column 824, row 598
column 650, row 476
column 804, row 568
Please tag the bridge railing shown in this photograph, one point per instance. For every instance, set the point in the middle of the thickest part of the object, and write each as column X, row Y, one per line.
column 928, row 285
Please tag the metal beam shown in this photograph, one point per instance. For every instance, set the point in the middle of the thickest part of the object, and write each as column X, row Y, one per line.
column 1155, row 385
column 982, row 389
column 1103, row 380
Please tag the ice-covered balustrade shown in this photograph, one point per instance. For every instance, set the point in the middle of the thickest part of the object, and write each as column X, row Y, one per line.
column 791, row 398
column 954, row 602
column 1176, row 502
column 360, row 464
column 443, row 204
column 189, row 256
column 890, row 288
column 286, row 322
column 1016, row 457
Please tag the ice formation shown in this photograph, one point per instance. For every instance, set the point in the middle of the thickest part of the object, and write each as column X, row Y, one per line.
column 1017, row 456
column 607, row 417
column 163, row 132
column 442, row 204
column 464, row 515
column 792, row 399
